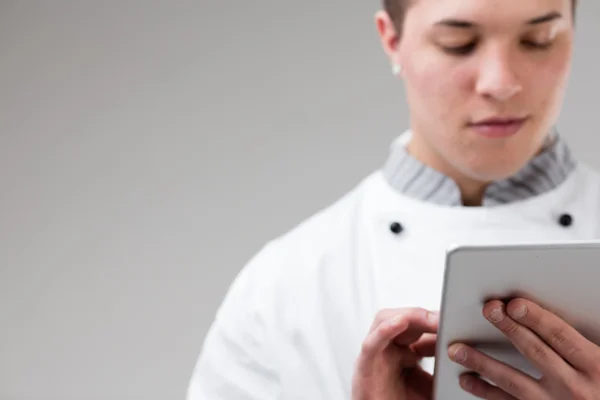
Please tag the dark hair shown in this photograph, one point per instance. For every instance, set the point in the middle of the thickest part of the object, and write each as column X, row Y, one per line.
column 396, row 9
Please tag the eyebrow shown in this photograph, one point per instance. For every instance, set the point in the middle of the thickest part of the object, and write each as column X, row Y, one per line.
column 457, row 23
column 545, row 18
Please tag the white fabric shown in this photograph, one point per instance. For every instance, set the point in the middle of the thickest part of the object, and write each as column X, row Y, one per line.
column 292, row 324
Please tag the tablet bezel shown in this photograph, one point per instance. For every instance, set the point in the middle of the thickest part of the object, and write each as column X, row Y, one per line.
column 475, row 274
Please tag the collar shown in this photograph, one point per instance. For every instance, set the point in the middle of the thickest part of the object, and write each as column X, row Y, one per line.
column 543, row 173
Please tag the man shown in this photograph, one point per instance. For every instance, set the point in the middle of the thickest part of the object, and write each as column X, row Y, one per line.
column 343, row 306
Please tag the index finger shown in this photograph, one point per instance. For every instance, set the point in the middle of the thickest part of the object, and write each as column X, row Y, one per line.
column 418, row 324
column 403, row 327
column 558, row 334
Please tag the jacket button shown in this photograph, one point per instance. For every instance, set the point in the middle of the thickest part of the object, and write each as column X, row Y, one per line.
column 565, row 220
column 396, row 228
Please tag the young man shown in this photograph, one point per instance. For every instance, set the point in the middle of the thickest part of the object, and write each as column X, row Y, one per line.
column 343, row 306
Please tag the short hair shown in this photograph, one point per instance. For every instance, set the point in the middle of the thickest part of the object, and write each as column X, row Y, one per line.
column 396, row 9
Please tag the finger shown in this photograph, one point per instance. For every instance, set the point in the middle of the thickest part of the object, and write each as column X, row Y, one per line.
column 403, row 326
column 420, row 322
column 382, row 335
column 419, row 383
column 426, row 345
column 480, row 388
column 528, row 343
column 382, row 316
column 407, row 358
column 559, row 335
column 388, row 313
column 402, row 357
column 507, row 378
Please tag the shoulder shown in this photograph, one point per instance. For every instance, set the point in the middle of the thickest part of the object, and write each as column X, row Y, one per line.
column 290, row 267
column 314, row 255
column 305, row 244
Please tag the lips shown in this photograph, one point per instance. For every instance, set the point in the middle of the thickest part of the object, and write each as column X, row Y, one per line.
column 498, row 127
column 500, row 121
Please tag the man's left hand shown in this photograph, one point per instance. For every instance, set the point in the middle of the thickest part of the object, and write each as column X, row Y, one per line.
column 569, row 363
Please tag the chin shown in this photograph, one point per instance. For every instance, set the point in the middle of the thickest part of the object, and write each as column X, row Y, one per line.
column 500, row 159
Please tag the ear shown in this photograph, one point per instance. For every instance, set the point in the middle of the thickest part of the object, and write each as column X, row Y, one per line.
column 389, row 39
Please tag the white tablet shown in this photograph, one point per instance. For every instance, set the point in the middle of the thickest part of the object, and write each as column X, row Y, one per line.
column 562, row 277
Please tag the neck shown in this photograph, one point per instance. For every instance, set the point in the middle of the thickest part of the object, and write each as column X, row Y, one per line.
column 472, row 190
column 414, row 170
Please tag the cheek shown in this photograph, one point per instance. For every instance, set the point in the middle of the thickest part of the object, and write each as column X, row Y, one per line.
column 549, row 82
column 442, row 87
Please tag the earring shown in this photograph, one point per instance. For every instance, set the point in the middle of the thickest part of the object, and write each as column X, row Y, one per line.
column 396, row 69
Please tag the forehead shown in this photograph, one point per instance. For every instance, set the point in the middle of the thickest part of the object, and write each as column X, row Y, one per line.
column 427, row 12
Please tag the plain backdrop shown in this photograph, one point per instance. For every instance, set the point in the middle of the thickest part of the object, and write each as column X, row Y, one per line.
column 149, row 148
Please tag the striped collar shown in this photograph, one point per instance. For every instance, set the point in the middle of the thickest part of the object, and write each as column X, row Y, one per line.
column 543, row 173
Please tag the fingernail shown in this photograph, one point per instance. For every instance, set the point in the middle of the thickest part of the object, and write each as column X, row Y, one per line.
column 459, row 354
column 497, row 315
column 520, row 312
column 466, row 382
column 433, row 317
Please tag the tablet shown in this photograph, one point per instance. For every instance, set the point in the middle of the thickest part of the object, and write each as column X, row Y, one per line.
column 561, row 277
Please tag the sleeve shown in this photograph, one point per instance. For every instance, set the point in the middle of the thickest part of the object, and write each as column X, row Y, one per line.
column 236, row 361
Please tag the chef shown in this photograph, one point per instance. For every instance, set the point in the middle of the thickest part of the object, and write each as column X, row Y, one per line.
column 344, row 305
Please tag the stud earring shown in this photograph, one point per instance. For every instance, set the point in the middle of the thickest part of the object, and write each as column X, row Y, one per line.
column 396, row 69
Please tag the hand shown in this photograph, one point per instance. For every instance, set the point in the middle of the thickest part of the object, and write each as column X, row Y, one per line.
column 388, row 365
column 568, row 362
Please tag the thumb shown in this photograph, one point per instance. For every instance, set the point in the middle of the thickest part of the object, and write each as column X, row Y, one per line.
column 425, row 346
column 419, row 323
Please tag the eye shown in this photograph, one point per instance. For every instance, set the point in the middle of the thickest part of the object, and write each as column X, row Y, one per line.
column 460, row 50
column 531, row 45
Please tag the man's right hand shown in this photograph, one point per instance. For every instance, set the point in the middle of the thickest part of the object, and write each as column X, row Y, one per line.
column 388, row 366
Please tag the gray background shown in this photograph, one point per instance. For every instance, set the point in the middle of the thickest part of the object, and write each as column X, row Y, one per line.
column 148, row 149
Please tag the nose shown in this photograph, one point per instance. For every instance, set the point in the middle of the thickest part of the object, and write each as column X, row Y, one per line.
column 497, row 78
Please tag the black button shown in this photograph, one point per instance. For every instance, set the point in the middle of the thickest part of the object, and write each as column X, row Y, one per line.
column 396, row 228
column 565, row 220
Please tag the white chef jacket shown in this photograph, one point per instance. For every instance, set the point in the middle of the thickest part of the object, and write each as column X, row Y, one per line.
column 293, row 321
